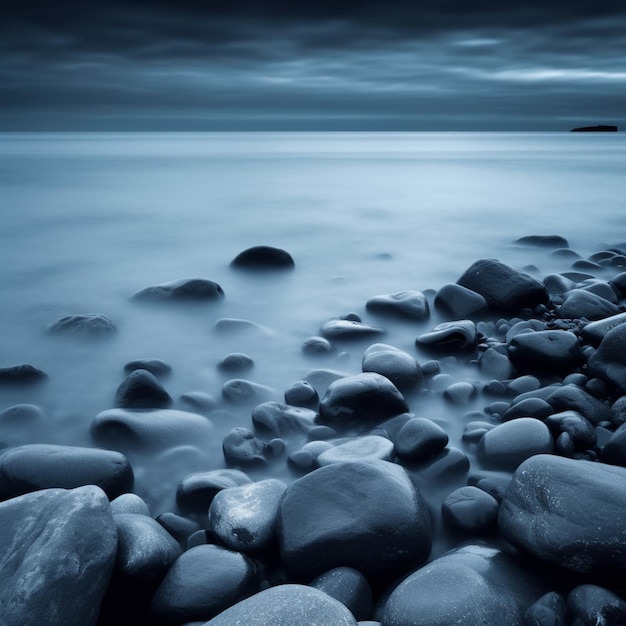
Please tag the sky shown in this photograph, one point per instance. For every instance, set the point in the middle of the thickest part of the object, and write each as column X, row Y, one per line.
column 369, row 65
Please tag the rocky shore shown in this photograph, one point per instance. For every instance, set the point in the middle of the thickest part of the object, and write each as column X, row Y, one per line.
column 389, row 516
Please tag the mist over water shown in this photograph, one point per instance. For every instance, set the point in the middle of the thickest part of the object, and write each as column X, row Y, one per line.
column 89, row 219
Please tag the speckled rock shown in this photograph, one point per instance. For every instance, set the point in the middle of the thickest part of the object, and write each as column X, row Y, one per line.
column 592, row 605
column 348, row 586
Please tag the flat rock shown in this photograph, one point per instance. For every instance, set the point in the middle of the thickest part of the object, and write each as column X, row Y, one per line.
column 503, row 287
column 580, row 303
column 474, row 584
column 263, row 258
column 197, row 490
column 570, row 513
column 362, row 400
column 60, row 541
column 245, row 518
column 286, row 605
column 408, row 304
column 42, row 466
column 543, row 241
column 160, row 428
column 142, row 390
column 397, row 365
column 338, row 329
column 242, row 391
column 183, row 290
column 380, row 525
column 87, row 325
column 545, row 352
column 25, row 374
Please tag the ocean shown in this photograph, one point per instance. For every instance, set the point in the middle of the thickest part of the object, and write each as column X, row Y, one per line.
column 88, row 219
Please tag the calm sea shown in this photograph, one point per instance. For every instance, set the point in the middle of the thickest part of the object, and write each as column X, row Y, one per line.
column 89, row 219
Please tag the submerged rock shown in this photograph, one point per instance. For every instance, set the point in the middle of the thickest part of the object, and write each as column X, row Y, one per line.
column 142, row 390
column 21, row 375
column 543, row 241
column 408, row 304
column 263, row 257
column 338, row 329
column 183, row 290
column 457, row 335
column 88, row 325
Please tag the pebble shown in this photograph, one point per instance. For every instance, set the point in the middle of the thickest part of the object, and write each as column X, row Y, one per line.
column 459, row 302
column 397, row 365
column 317, row 346
column 277, row 419
column 242, row 447
column 457, row 335
column 235, row 362
column 302, row 393
column 241, row 391
column 341, row 329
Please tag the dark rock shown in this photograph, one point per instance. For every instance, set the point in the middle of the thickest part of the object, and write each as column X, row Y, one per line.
column 557, row 284
column 276, row 419
column 286, row 605
column 317, row 346
column 55, row 542
column 241, row 391
column 549, row 610
column 419, row 439
column 243, row 448
column 159, row 428
column 340, row 329
column 618, row 282
column 380, row 525
column 618, row 411
column 571, row 513
column 129, row 503
column 475, row 584
column 306, row 457
column 237, row 325
column 571, row 397
column 547, row 352
column 591, row 605
column 184, row 290
column 157, row 367
column 41, row 466
column 494, row 483
column 504, row 288
column 600, row 128
column 543, row 241
column 142, row 390
column 495, row 364
column 470, row 510
column 585, row 266
column 263, row 258
column 22, row 423
column 600, row 288
column 349, row 587
column 362, row 400
column 89, row 325
column 392, row 363
column 196, row 491
column 201, row 583
column 459, row 302
column 244, row 518
column 408, row 304
column 614, row 451
column 507, row 445
column 580, row 303
column 235, row 362
column 460, row 392
column 609, row 360
column 524, row 326
column 580, row 430
column 449, row 464
column 457, row 335
column 21, row 375
column 302, row 393
column 366, row 448
column 178, row 526
column 530, row 407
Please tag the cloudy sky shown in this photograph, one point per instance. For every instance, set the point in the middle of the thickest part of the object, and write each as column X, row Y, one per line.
column 312, row 64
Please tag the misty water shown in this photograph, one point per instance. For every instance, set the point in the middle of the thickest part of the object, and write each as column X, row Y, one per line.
column 87, row 220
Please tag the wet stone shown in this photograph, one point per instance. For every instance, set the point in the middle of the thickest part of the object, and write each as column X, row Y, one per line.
column 129, row 503
column 244, row 518
column 178, row 526
column 366, row 448
column 157, row 367
column 198, row 401
column 306, row 457
column 242, row 447
column 549, row 610
column 450, row 464
column 21, row 375
column 277, row 419
column 529, row 407
column 340, row 329
column 349, row 587
column 241, row 391
column 408, row 304
column 596, row 606
column 450, row 336
column 263, row 258
column 302, row 393
column 609, row 360
column 581, row 432
column 142, row 390
column 419, row 439
column 580, row 303
column 395, row 364
column 571, row 397
column 614, row 451
column 87, row 325
column 548, row 351
column 543, row 241
column 459, row 302
column 495, row 364
column 237, row 325
column 197, row 490
column 475, row 430
column 460, row 392
column 524, row 384
column 470, row 510
column 235, row 362
column 183, row 290
column 317, row 346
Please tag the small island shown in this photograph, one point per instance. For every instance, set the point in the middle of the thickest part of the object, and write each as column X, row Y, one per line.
column 601, row 128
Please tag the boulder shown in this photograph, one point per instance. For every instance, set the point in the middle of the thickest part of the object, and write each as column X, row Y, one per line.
column 545, row 352
column 580, row 303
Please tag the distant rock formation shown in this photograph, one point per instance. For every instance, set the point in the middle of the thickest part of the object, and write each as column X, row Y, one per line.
column 601, row 128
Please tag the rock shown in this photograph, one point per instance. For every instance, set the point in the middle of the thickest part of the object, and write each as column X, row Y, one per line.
column 306, row 457
column 157, row 367
column 504, row 288
column 380, row 525
column 470, row 510
column 545, row 352
column 618, row 283
column 495, row 364
column 244, row 518
column 284, row 605
column 237, row 325
column 408, row 304
column 201, row 583
column 614, row 452
column 241, row 391
column 419, row 439
column 129, row 503
column 198, row 401
column 529, row 407
column 340, row 329
column 543, row 241
column 459, row 302
column 600, row 288
column 178, row 526
column 591, row 605
column 196, row 491
column 142, row 390
column 243, row 448
column 594, row 332
column 349, row 587
column 449, row 464
column 276, row 419
column 235, row 362
column 600, row 128
column 302, row 393
column 571, row 513
column 549, row 610
column 21, row 375
column 183, row 290
column 263, row 258
column 362, row 400
column 159, row 428
column 579, row 303
column 41, row 466
column 579, row 429
column 60, row 542
column 460, row 392
column 21, row 423
column 474, row 584
column 392, row 363
column 507, row 445
column 557, row 284
column 366, row 448
column 457, row 335
column 609, row 360
column 571, row 397
column 317, row 346
column 88, row 325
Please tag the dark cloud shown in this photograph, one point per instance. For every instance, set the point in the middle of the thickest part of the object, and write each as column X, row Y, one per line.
column 342, row 64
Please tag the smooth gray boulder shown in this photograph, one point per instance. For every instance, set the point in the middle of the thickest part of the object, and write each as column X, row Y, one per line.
column 58, row 549
column 570, row 513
